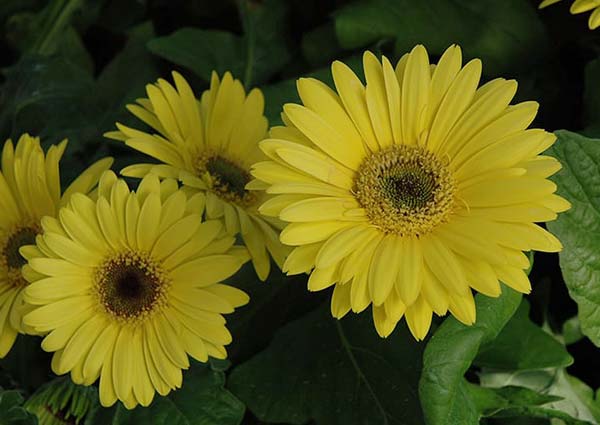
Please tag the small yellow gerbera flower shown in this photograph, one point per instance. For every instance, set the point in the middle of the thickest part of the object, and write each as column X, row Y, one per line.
column 210, row 146
column 581, row 6
column 408, row 192
column 127, row 286
column 29, row 190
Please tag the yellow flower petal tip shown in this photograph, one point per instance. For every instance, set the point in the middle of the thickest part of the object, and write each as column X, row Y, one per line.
column 581, row 6
column 209, row 145
column 126, row 286
column 411, row 192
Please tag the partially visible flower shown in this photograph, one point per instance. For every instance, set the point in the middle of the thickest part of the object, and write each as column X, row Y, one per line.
column 581, row 6
column 210, row 146
column 410, row 192
column 128, row 285
column 61, row 402
column 29, row 190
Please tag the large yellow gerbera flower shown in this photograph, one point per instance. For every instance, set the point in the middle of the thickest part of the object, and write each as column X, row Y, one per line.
column 210, row 146
column 29, row 190
column 409, row 192
column 128, row 286
column 581, row 6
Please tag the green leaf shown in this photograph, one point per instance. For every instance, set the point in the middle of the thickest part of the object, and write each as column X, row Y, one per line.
column 579, row 228
column 571, row 331
column 490, row 401
column 253, row 57
column 442, row 389
column 573, row 405
column 11, row 411
column 201, row 51
column 516, row 402
column 202, row 400
column 64, row 400
column 264, row 39
column 523, row 345
column 321, row 45
column 273, row 303
column 506, row 35
column 51, row 98
column 333, row 372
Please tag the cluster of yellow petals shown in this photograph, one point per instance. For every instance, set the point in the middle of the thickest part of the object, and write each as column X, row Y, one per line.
column 404, row 195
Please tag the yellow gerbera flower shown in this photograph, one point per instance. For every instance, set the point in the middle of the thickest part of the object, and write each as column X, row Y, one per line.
column 29, row 190
column 210, row 146
column 409, row 192
column 127, row 286
column 581, row 6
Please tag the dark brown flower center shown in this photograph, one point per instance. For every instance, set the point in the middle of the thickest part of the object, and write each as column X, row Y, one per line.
column 20, row 237
column 130, row 285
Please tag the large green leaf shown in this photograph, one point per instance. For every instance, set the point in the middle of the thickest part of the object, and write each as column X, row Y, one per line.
column 202, row 400
column 201, row 51
column 523, row 345
column 49, row 97
column 272, row 304
column 506, row 34
column 579, row 228
column 333, row 372
column 253, row 57
column 442, row 389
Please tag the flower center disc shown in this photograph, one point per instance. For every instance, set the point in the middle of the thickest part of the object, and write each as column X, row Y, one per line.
column 228, row 179
column 130, row 285
column 12, row 258
column 405, row 190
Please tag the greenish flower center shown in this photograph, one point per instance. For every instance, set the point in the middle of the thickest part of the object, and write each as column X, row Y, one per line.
column 409, row 188
column 405, row 190
column 228, row 176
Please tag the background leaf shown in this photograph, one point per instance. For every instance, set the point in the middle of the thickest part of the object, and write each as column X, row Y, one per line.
column 253, row 57
column 333, row 372
column 442, row 388
column 506, row 35
column 11, row 411
column 522, row 345
column 573, row 406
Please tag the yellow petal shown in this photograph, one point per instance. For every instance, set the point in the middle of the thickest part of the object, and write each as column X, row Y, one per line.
column 305, row 233
column 418, row 318
column 383, row 270
column 352, row 94
column 376, row 97
column 415, row 94
column 410, row 270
